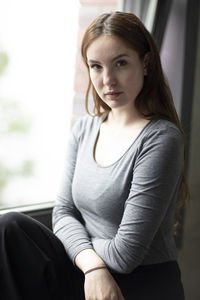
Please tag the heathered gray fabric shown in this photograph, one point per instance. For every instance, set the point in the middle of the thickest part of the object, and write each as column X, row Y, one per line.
column 124, row 211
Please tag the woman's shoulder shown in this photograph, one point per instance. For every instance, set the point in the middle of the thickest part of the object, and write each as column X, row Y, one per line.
column 163, row 131
column 162, row 126
column 86, row 123
column 161, row 139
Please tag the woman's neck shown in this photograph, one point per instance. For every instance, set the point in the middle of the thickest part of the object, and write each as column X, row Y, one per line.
column 122, row 118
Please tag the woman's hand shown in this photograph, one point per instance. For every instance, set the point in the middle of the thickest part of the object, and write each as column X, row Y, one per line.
column 100, row 285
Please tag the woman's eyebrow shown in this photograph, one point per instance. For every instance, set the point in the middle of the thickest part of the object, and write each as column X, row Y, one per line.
column 113, row 59
column 119, row 56
column 92, row 61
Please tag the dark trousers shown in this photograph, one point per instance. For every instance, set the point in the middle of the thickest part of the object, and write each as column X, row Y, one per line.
column 34, row 265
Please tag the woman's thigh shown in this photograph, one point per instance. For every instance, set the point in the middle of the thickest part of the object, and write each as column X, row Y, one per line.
column 33, row 262
column 152, row 282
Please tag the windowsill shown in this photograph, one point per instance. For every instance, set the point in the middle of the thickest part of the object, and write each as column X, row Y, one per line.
column 41, row 212
column 28, row 208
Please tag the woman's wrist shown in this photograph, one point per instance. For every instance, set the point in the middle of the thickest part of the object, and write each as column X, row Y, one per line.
column 94, row 269
column 88, row 259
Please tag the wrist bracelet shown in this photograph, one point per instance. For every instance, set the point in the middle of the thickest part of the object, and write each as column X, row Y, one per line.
column 94, row 269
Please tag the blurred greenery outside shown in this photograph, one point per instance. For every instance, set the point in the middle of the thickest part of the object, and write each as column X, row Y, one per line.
column 12, row 122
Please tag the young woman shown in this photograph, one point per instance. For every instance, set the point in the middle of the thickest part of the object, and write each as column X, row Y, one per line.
column 123, row 183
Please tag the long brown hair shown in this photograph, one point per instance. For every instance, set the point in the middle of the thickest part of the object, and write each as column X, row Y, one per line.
column 155, row 99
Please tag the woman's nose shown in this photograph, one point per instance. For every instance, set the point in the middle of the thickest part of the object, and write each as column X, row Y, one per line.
column 109, row 78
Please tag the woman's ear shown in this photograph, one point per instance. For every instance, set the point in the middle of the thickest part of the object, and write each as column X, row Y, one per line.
column 146, row 62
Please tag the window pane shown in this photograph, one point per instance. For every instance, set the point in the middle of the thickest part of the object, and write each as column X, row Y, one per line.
column 42, row 89
column 37, row 63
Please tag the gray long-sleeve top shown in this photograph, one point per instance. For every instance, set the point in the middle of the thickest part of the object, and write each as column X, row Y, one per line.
column 124, row 211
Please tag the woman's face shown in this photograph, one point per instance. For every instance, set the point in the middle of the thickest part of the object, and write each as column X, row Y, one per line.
column 116, row 71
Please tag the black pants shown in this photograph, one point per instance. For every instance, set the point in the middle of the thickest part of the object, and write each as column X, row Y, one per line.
column 34, row 265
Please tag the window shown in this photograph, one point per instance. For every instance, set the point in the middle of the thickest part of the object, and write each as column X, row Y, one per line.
column 42, row 85
column 37, row 59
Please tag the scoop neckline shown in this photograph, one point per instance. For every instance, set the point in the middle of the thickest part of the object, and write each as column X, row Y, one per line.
column 95, row 139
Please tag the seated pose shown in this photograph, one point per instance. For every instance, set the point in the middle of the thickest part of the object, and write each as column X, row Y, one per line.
column 115, row 214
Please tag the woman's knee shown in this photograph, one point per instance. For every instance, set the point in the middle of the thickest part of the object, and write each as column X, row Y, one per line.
column 9, row 221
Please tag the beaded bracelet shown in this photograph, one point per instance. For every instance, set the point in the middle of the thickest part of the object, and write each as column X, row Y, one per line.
column 94, row 269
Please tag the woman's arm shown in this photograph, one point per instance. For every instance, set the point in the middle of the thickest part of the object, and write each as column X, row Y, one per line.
column 99, row 283
column 88, row 259
column 155, row 183
column 67, row 221
column 68, row 226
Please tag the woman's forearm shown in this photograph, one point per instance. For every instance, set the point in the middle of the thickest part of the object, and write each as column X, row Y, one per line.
column 88, row 259
column 99, row 284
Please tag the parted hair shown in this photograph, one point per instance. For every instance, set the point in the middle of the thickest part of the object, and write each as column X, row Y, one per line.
column 155, row 99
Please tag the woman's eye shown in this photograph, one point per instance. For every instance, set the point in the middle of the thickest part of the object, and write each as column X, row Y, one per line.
column 95, row 67
column 121, row 63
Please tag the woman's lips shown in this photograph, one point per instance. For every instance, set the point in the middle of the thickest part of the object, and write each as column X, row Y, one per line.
column 113, row 95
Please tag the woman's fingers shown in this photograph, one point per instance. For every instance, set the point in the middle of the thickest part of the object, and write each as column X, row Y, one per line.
column 100, row 285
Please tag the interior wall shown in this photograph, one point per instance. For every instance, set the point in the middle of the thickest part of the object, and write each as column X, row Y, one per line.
column 189, row 255
column 172, row 50
column 178, row 55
